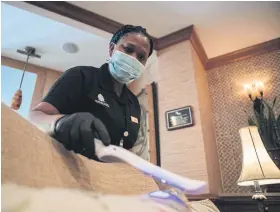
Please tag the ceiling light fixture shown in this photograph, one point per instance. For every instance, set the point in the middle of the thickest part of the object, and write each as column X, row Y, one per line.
column 71, row 48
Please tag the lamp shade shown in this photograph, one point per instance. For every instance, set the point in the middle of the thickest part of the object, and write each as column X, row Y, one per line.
column 256, row 164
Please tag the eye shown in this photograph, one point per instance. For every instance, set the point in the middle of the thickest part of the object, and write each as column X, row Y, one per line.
column 128, row 50
column 141, row 57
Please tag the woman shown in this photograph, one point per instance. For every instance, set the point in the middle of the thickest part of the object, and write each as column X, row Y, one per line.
column 88, row 102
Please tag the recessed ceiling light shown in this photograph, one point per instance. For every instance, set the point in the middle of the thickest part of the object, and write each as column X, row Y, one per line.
column 71, row 48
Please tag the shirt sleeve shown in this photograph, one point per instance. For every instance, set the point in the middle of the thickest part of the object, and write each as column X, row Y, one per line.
column 67, row 90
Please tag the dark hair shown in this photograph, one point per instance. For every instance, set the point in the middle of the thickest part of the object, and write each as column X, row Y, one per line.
column 132, row 29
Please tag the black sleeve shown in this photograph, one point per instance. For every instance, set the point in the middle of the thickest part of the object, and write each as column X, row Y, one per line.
column 67, row 91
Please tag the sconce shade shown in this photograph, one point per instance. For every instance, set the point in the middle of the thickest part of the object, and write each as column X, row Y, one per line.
column 248, row 89
column 256, row 164
column 254, row 90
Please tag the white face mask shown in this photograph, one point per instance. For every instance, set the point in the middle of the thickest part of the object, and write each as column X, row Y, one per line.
column 125, row 68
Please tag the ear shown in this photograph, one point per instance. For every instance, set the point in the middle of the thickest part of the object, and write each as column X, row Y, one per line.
column 111, row 49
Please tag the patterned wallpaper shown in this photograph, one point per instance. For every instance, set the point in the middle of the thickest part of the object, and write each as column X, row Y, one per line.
column 229, row 102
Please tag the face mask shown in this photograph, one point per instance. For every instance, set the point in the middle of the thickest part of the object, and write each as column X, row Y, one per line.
column 125, row 68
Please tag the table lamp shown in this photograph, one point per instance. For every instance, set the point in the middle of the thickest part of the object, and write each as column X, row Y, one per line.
column 257, row 166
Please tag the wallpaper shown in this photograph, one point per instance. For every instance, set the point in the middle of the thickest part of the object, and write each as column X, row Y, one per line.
column 229, row 104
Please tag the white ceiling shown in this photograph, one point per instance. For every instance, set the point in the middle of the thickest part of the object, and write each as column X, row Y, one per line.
column 21, row 28
column 222, row 27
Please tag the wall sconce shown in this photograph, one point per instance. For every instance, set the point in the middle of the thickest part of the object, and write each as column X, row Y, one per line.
column 254, row 90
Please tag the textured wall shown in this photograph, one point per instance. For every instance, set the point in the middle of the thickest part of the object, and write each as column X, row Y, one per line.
column 207, row 125
column 181, row 80
column 182, row 151
column 229, row 102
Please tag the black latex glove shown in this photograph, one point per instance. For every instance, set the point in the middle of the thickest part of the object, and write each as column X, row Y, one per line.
column 77, row 132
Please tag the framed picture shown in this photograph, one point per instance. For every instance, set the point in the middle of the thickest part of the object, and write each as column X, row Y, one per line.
column 179, row 118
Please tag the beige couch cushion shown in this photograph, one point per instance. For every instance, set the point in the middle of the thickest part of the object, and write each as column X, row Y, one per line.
column 30, row 157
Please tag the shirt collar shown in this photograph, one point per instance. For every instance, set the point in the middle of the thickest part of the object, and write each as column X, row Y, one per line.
column 106, row 82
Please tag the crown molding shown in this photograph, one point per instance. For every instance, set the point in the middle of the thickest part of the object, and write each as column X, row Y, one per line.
column 245, row 53
column 173, row 38
column 78, row 14
column 197, row 45
column 90, row 18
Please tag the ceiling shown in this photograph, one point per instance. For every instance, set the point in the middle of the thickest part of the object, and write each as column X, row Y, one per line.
column 222, row 27
column 21, row 28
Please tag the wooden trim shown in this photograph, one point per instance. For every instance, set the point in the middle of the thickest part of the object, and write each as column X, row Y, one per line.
column 87, row 17
column 20, row 65
column 244, row 53
column 79, row 14
column 151, row 124
column 195, row 41
column 231, row 57
column 156, row 121
column 173, row 38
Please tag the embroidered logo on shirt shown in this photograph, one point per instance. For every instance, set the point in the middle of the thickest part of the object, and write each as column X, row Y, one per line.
column 101, row 100
column 134, row 119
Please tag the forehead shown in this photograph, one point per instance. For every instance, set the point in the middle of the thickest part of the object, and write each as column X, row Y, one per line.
column 137, row 39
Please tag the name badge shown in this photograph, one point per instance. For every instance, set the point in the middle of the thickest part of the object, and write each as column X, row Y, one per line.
column 134, row 119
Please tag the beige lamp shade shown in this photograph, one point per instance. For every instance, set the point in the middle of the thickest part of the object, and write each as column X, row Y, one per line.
column 256, row 164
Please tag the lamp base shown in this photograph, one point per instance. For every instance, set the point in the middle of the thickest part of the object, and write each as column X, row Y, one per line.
column 259, row 197
column 260, row 203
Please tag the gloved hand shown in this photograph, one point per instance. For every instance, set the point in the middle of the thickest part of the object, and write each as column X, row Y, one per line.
column 77, row 132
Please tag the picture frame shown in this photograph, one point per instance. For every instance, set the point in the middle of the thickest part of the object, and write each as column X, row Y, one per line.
column 179, row 118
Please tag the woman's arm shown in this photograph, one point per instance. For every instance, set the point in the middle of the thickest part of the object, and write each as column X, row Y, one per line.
column 75, row 130
column 45, row 115
column 62, row 98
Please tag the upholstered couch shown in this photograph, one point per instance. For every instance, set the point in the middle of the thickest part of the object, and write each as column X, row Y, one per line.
column 30, row 158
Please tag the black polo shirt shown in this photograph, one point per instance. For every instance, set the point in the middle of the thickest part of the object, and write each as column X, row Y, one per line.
column 90, row 89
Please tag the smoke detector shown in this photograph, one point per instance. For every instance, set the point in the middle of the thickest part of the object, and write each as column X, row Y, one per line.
column 71, row 48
